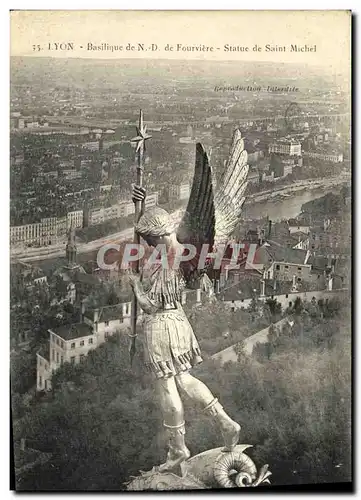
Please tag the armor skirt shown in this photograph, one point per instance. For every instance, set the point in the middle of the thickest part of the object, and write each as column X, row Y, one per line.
column 170, row 346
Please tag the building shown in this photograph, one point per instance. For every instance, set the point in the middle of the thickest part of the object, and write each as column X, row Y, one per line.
column 286, row 262
column 285, row 271
column 287, row 146
column 331, row 157
column 32, row 124
column 71, row 174
column 28, row 233
column 296, row 240
column 72, row 343
column 105, row 188
column 179, row 192
column 283, row 164
column 268, row 177
column 67, row 343
column 299, row 240
column 27, row 275
column 75, row 219
column 186, row 140
column 129, row 208
column 75, row 283
column 254, row 156
column 254, row 176
column 298, row 226
column 119, row 210
column 151, row 200
column 91, row 146
column 48, row 231
column 286, row 296
column 102, row 214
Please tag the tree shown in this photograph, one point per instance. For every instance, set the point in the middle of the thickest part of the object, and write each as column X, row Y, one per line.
column 298, row 306
column 103, row 423
column 272, row 309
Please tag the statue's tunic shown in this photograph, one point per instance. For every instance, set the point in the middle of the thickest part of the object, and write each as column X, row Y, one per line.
column 170, row 346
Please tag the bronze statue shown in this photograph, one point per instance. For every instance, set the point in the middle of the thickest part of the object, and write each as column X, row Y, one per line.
column 170, row 346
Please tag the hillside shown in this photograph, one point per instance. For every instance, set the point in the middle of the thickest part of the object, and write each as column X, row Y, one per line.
column 293, row 402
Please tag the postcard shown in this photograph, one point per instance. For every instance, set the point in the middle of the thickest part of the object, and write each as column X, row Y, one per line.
column 180, row 244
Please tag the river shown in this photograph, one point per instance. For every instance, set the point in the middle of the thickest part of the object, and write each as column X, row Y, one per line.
column 276, row 209
column 283, row 208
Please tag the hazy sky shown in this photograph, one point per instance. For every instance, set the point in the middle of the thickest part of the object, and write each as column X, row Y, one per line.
column 328, row 30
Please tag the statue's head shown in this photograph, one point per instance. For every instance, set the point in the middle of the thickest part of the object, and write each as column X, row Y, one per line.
column 155, row 226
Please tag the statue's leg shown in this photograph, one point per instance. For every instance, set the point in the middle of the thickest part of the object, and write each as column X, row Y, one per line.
column 173, row 415
column 199, row 393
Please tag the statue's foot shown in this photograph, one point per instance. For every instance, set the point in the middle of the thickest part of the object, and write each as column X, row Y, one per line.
column 175, row 458
column 229, row 428
column 230, row 433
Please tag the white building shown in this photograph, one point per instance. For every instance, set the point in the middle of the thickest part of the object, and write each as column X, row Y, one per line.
column 179, row 191
column 284, row 271
column 71, row 343
column 295, row 226
column 72, row 173
column 91, row 146
column 331, row 157
column 119, row 210
column 151, row 200
column 47, row 232
column 290, row 147
column 75, row 219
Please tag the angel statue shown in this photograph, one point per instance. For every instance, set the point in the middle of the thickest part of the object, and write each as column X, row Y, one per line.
column 170, row 345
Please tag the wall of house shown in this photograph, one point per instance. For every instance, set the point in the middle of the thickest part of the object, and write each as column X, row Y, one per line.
column 302, row 244
column 56, row 350
column 286, row 299
column 43, row 374
column 286, row 271
column 75, row 348
column 301, row 229
column 108, row 328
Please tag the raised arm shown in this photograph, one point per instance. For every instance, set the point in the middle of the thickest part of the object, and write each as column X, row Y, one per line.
column 144, row 301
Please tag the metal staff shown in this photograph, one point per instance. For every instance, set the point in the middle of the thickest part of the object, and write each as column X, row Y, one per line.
column 140, row 139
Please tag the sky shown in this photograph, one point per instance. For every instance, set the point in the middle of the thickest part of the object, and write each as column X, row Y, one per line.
column 328, row 30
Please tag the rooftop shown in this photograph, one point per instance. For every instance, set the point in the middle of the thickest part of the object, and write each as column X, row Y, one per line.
column 107, row 313
column 298, row 222
column 319, row 262
column 281, row 253
column 289, row 240
column 252, row 288
column 73, row 331
column 42, row 352
column 287, row 140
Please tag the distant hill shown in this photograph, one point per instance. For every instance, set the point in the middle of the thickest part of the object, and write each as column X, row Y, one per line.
column 115, row 73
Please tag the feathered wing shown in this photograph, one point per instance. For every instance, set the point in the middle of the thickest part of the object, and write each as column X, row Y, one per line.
column 198, row 223
column 212, row 217
column 230, row 193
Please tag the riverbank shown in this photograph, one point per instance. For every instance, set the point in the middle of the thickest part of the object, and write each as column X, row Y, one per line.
column 36, row 254
column 308, row 184
column 278, row 203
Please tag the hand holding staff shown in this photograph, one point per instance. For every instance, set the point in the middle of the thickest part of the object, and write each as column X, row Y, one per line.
column 138, row 196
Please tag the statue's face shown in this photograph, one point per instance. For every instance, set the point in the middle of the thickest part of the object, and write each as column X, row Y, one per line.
column 154, row 241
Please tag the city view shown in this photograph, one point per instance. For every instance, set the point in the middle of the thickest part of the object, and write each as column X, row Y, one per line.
column 275, row 335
